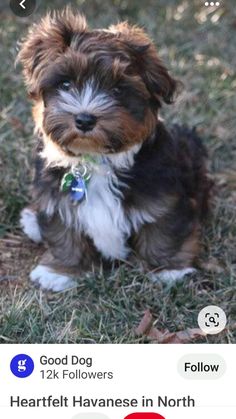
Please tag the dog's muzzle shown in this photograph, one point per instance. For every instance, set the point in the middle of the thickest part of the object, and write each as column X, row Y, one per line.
column 85, row 121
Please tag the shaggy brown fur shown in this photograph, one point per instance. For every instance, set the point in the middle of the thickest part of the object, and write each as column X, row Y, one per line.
column 116, row 77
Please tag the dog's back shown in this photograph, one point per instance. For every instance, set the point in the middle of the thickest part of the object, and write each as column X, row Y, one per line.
column 193, row 159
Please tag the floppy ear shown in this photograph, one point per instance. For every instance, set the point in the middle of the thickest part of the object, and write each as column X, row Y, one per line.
column 153, row 72
column 45, row 41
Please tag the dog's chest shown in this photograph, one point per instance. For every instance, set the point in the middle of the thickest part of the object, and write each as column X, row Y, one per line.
column 101, row 216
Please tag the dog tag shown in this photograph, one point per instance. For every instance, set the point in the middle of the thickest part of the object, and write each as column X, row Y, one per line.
column 77, row 189
column 67, row 181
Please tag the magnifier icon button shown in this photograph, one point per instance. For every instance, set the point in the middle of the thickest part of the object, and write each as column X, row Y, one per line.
column 212, row 320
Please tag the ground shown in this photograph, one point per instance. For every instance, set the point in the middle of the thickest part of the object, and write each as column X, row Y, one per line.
column 198, row 45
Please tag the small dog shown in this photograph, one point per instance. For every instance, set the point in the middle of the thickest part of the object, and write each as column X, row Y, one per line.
column 111, row 182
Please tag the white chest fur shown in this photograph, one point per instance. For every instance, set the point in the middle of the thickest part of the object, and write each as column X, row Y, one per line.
column 101, row 216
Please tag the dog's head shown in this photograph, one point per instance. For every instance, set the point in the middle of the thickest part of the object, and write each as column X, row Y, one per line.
column 94, row 91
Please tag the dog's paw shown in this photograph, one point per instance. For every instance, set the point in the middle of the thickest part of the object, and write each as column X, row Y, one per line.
column 51, row 280
column 29, row 225
column 171, row 276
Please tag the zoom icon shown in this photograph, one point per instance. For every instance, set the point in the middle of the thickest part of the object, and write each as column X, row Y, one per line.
column 22, row 366
column 212, row 320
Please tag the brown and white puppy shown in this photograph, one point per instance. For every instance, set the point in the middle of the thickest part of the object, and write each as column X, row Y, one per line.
column 96, row 97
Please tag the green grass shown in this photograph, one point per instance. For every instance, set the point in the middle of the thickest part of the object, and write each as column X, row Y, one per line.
column 198, row 45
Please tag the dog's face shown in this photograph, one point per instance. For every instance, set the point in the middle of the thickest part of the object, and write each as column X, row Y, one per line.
column 95, row 91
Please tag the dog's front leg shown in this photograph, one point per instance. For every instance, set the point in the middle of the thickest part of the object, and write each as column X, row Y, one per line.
column 70, row 253
column 29, row 224
column 50, row 275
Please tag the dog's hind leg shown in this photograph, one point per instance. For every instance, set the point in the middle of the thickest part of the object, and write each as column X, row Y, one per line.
column 171, row 276
column 169, row 255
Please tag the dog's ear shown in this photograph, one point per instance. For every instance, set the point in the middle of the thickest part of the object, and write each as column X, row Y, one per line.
column 46, row 41
column 153, row 72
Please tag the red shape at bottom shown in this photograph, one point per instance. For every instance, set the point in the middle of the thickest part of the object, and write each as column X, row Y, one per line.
column 144, row 415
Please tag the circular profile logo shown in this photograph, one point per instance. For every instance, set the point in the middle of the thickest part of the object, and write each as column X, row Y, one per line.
column 22, row 365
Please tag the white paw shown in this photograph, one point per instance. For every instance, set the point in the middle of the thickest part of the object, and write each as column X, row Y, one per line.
column 29, row 225
column 173, row 275
column 51, row 280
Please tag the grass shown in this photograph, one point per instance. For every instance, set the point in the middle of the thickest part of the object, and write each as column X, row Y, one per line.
column 198, row 44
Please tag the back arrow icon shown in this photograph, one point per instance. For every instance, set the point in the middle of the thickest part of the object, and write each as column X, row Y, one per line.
column 22, row 4
column 22, row 8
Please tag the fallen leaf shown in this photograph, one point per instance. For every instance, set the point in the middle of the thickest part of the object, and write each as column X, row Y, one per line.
column 221, row 132
column 145, row 323
column 228, row 177
column 183, row 336
column 16, row 123
column 212, row 266
column 146, row 328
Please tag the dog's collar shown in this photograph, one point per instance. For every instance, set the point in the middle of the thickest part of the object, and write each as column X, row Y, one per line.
column 77, row 178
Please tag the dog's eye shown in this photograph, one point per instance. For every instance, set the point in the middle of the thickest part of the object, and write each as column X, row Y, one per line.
column 65, row 85
column 116, row 91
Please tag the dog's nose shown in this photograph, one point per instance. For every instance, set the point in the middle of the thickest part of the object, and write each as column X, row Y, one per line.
column 85, row 121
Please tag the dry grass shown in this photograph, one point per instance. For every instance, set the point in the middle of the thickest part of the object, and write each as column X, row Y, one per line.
column 199, row 45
